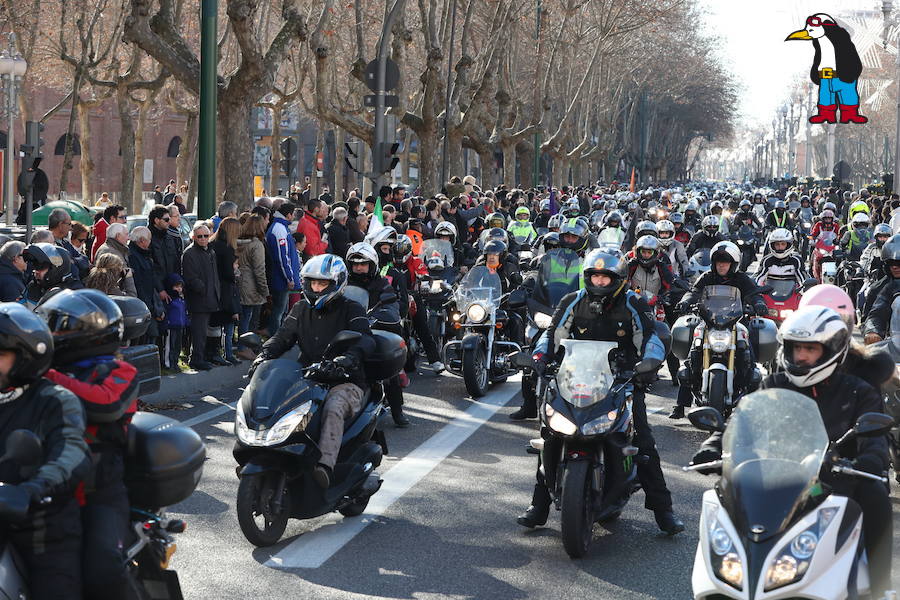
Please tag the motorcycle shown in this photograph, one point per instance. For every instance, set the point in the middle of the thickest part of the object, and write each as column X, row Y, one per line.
column 745, row 239
column 825, row 257
column 163, row 466
column 717, row 331
column 770, row 529
column 851, row 277
column 436, row 289
column 277, row 426
column 891, row 389
column 480, row 357
column 783, row 299
column 588, row 460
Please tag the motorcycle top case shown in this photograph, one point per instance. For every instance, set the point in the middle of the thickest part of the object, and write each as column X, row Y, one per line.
column 683, row 335
column 764, row 338
column 389, row 356
column 144, row 358
column 136, row 316
column 164, row 461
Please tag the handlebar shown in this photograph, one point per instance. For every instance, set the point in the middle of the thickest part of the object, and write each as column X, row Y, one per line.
column 856, row 473
column 715, row 464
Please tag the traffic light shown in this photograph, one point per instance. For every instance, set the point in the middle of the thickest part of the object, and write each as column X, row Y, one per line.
column 385, row 157
column 288, row 157
column 33, row 143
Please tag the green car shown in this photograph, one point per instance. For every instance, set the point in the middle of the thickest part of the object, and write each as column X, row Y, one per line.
column 78, row 211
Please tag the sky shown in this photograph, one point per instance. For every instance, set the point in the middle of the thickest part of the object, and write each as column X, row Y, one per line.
column 764, row 64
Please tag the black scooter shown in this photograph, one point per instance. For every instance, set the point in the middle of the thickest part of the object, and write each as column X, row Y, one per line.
column 278, row 424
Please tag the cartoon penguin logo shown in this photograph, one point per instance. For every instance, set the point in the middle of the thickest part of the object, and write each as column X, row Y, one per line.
column 836, row 68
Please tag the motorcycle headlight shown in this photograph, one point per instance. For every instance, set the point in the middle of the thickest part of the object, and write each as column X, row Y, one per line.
column 295, row 420
column 719, row 340
column 785, row 313
column 600, row 425
column 558, row 422
column 725, row 561
column 542, row 320
column 792, row 562
column 476, row 313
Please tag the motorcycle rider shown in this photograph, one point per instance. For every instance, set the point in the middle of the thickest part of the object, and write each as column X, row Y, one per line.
column 603, row 311
column 725, row 258
column 871, row 256
column 612, row 232
column 311, row 325
column 814, row 345
column 779, row 217
column 521, row 229
column 877, row 308
column 825, row 223
column 856, row 236
column 745, row 211
column 543, row 218
column 49, row 540
column 51, row 267
column 681, row 234
column 780, row 260
column 86, row 327
column 411, row 268
column 445, row 230
column 692, row 216
column 707, row 237
column 672, row 248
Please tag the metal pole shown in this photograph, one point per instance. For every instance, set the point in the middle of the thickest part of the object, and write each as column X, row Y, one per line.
column 830, row 127
column 808, row 146
column 9, row 155
column 535, row 176
column 897, row 131
column 643, row 108
column 445, row 154
column 209, row 10
column 380, row 121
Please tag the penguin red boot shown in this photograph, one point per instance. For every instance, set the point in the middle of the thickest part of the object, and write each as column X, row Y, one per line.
column 827, row 114
column 849, row 114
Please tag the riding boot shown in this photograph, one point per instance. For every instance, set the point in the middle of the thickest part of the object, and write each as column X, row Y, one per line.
column 528, row 410
column 537, row 513
column 394, row 394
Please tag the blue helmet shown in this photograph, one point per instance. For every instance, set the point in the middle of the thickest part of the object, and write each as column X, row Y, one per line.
column 325, row 267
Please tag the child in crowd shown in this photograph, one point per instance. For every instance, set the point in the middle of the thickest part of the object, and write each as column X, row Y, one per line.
column 176, row 321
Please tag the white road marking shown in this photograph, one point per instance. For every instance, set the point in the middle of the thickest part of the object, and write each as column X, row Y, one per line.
column 209, row 415
column 312, row 549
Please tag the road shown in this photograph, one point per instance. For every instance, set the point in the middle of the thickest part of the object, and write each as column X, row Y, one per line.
column 443, row 526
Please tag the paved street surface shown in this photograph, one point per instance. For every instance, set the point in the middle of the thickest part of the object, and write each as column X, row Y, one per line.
column 443, row 525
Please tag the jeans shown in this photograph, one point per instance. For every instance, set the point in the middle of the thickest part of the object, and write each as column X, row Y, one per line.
column 341, row 404
column 228, row 330
column 175, row 341
column 249, row 318
column 279, row 307
column 832, row 91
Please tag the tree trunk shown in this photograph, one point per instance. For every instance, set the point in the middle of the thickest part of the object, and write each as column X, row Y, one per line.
column 320, row 146
column 455, row 150
column 509, row 164
column 186, row 151
column 486, row 161
column 86, row 163
column 525, row 151
column 339, row 193
column 406, row 138
column 138, row 170
column 126, row 144
column 236, row 143
column 275, row 167
column 429, row 143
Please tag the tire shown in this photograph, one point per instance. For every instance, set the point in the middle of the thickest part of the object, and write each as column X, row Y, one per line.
column 355, row 508
column 254, row 491
column 716, row 392
column 576, row 512
column 475, row 372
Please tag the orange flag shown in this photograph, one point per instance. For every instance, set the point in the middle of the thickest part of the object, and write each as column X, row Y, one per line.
column 631, row 186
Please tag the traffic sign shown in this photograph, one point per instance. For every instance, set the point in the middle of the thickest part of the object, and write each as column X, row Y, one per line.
column 391, row 75
column 389, row 100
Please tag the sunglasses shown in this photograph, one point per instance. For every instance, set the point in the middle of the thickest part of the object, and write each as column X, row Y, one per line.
column 201, row 236
column 166, row 219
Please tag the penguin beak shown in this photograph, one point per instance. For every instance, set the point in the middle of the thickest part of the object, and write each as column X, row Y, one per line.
column 801, row 34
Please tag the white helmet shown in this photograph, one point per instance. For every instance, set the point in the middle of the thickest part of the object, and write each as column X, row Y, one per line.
column 446, row 228
column 363, row 252
column 726, row 251
column 810, row 324
column 385, row 235
column 668, row 227
column 710, row 221
column 780, row 235
column 860, row 220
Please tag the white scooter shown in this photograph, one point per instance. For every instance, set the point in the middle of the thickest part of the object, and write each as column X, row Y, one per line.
column 770, row 530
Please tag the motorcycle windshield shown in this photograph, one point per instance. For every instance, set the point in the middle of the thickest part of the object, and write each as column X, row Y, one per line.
column 826, row 240
column 746, row 233
column 702, row 257
column 276, row 384
column 721, row 305
column 772, row 451
column 358, row 295
column 895, row 321
column 479, row 286
column 585, row 375
column 782, row 289
column 560, row 270
column 611, row 235
column 437, row 254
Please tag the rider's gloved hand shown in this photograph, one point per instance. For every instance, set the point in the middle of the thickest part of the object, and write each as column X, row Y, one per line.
column 347, row 363
column 36, row 489
column 762, row 310
column 255, row 365
column 540, row 363
column 682, row 308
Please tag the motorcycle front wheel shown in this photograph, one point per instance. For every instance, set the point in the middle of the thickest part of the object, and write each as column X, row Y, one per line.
column 475, row 371
column 577, row 513
column 716, row 392
column 259, row 522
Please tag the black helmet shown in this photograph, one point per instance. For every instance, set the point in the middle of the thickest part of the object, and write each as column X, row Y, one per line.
column 890, row 253
column 495, row 247
column 403, row 248
column 83, row 323
column 551, row 241
column 496, row 219
column 27, row 335
column 576, row 227
column 599, row 262
column 53, row 258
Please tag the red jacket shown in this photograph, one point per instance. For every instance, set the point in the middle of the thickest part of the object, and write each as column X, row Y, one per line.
column 99, row 236
column 819, row 227
column 309, row 227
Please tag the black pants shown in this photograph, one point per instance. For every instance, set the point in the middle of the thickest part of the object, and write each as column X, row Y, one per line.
column 50, row 546
column 393, row 393
column 878, row 526
column 104, row 519
column 649, row 470
column 420, row 325
column 199, row 324
column 744, row 364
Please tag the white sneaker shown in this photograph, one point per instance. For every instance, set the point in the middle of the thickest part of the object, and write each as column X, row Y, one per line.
column 437, row 366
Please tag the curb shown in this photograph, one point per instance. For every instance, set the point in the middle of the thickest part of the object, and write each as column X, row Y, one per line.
column 189, row 383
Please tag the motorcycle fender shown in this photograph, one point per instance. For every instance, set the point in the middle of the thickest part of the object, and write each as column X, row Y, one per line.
column 471, row 341
column 267, row 463
column 707, row 377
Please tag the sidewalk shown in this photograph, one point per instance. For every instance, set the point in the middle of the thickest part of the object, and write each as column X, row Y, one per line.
column 174, row 388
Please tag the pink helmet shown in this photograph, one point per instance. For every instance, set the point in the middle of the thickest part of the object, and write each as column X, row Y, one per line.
column 833, row 297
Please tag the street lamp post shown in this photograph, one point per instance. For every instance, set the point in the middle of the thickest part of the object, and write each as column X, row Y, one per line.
column 12, row 69
column 887, row 8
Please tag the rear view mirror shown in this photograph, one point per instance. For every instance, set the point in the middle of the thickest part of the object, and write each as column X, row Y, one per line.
column 251, row 340
column 873, row 424
column 809, row 284
column 706, row 418
column 517, row 298
column 23, row 447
